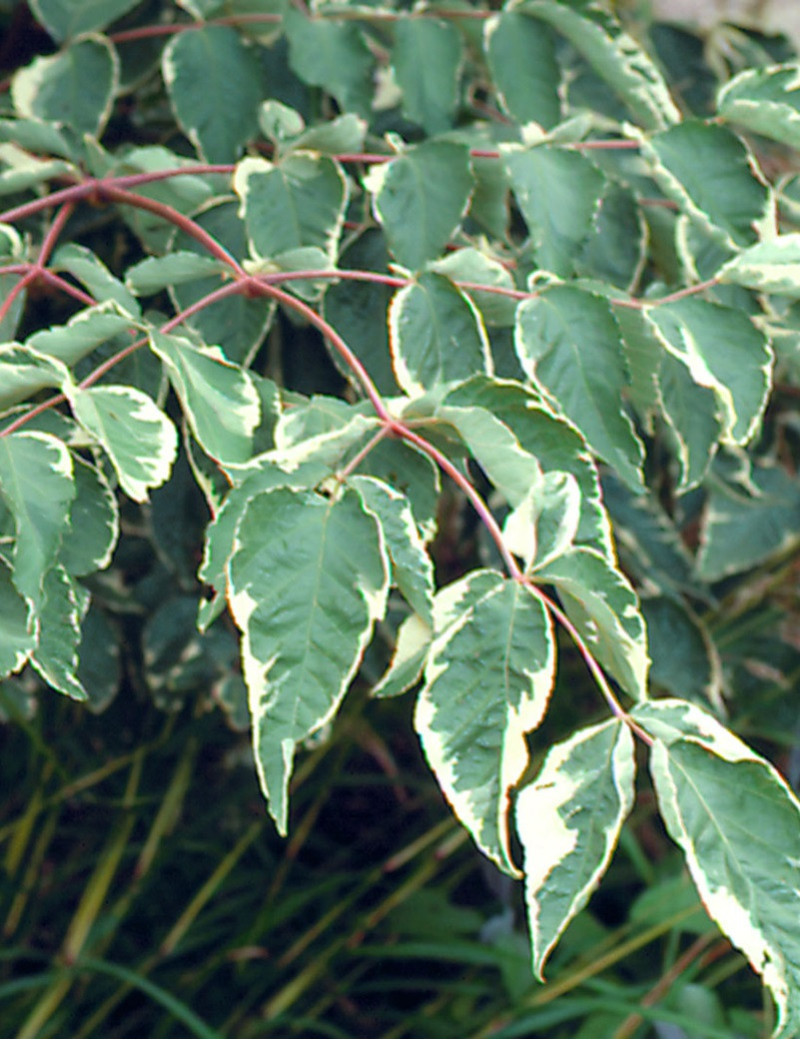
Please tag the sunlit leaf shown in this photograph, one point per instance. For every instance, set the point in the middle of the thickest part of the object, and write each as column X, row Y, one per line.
column 488, row 678
column 738, row 823
column 569, row 819
column 137, row 436
column 325, row 566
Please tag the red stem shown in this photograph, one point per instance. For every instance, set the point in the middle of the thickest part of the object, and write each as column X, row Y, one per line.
column 336, row 341
column 169, row 213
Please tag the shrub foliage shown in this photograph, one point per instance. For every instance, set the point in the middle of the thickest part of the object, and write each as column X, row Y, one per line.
column 555, row 276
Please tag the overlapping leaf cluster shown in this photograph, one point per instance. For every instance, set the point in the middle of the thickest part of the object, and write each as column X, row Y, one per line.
column 538, row 267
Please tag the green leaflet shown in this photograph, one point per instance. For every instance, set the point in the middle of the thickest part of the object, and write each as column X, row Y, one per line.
column 616, row 246
column 766, row 101
column 613, row 54
column 412, row 569
column 510, row 468
column 358, row 311
column 769, row 266
column 605, row 610
column 219, row 399
column 558, row 192
column 94, row 275
column 420, row 197
column 741, row 529
column 569, row 344
column 325, row 566
column 545, row 523
column 300, row 466
column 723, row 350
column 25, row 372
column 37, row 487
column 332, row 55
column 137, row 436
column 710, row 174
column 212, row 79
column 408, row 660
column 68, row 18
column 569, row 820
column 185, row 193
column 488, row 678
column 648, row 541
column 521, row 56
column 426, row 57
column 297, row 202
column 692, row 412
column 155, row 273
column 470, row 265
column 60, row 612
column 436, row 335
column 287, row 128
column 17, row 624
column 738, row 824
column 74, row 88
column 93, row 529
column 553, row 441
column 685, row 661
column 236, row 324
column 83, row 333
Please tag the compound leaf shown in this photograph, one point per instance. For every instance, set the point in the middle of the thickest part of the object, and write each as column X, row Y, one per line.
column 324, row 564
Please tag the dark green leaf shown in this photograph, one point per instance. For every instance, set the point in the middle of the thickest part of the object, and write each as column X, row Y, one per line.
column 332, row 55
column 64, row 19
column 569, row 344
column 74, row 88
column 213, row 80
column 711, row 175
column 426, row 57
column 436, row 335
column 613, row 54
column 522, row 60
column 420, row 198
column 558, row 192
